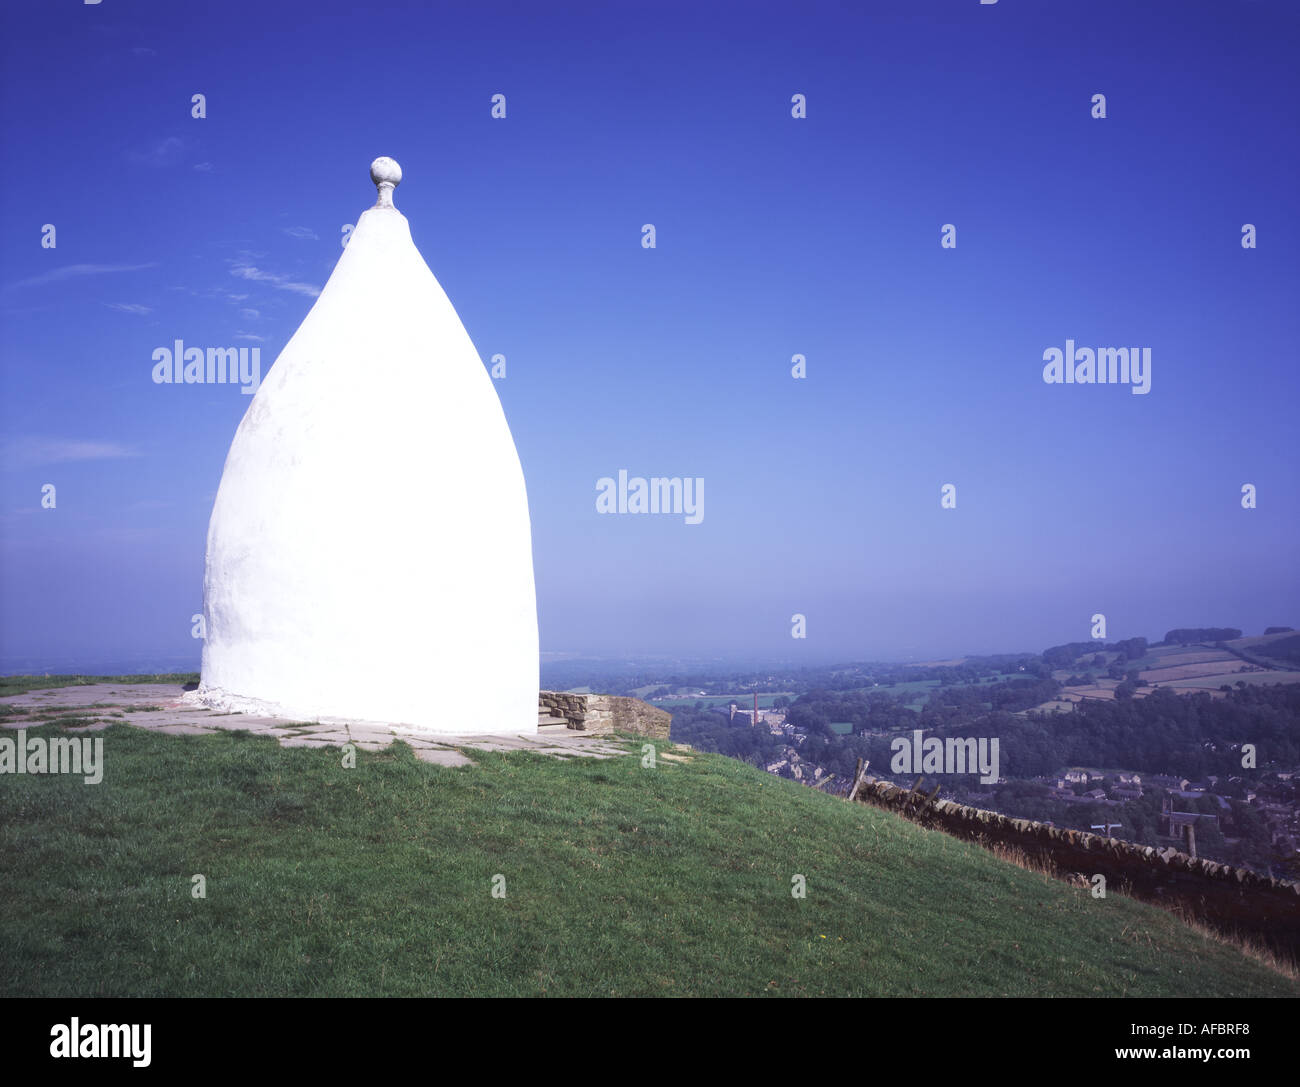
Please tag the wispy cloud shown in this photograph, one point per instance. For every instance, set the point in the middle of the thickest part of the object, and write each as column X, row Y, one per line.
column 250, row 336
column 72, row 271
column 249, row 314
column 165, row 152
column 130, row 307
column 203, row 167
column 284, row 283
column 143, row 51
column 224, row 292
column 29, row 451
column 304, row 232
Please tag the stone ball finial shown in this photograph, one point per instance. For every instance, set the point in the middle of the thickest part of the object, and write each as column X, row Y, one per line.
column 386, row 175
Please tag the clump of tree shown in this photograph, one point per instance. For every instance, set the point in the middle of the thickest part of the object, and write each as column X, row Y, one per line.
column 1012, row 696
column 1063, row 656
column 1132, row 649
column 711, row 730
column 1284, row 649
column 1191, row 635
column 868, row 711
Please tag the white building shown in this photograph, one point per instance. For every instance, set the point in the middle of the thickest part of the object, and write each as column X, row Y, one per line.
column 369, row 554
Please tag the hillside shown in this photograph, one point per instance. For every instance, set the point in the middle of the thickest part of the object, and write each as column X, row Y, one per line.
column 619, row 880
column 1182, row 667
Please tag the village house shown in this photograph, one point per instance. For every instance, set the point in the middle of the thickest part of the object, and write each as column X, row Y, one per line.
column 1164, row 781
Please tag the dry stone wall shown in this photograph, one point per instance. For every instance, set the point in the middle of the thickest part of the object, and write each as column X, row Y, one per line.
column 1233, row 899
column 607, row 713
column 572, row 707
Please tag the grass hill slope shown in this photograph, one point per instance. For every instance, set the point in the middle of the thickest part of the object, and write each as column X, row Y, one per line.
column 619, row 879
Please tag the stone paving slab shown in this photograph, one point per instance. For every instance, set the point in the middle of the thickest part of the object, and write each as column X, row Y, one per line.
column 119, row 694
column 418, row 742
column 157, row 707
column 183, row 730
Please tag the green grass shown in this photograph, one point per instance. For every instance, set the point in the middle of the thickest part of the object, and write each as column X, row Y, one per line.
column 21, row 684
column 620, row 880
column 912, row 686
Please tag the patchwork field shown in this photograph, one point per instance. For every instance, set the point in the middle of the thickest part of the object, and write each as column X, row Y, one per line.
column 1231, row 666
column 1173, row 657
column 1261, row 640
column 1182, row 669
column 1103, row 689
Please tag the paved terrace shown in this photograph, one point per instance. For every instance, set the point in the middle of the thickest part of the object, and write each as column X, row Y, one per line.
column 157, row 706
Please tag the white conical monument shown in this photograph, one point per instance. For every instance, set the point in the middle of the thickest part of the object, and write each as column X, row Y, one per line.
column 370, row 554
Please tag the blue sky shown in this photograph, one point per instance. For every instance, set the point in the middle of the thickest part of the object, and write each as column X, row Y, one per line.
column 774, row 236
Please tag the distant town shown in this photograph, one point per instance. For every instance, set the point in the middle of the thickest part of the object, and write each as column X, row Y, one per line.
column 1191, row 741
